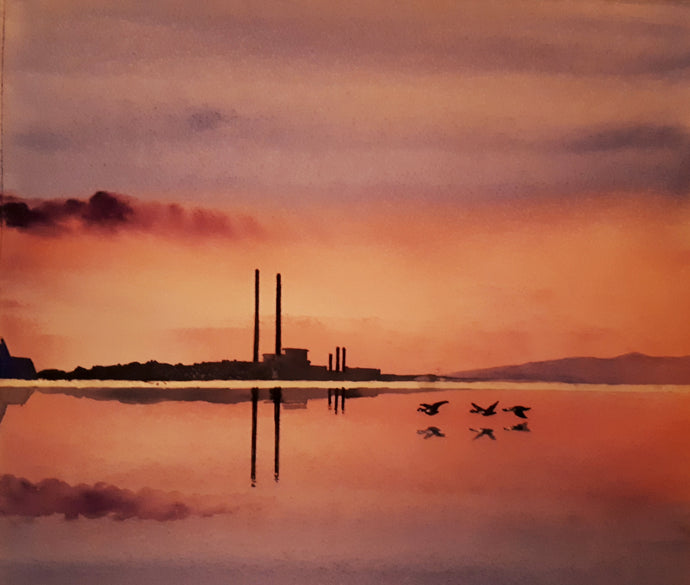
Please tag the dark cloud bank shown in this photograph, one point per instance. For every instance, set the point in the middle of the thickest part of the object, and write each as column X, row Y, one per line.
column 108, row 212
column 20, row 497
column 634, row 157
column 633, row 136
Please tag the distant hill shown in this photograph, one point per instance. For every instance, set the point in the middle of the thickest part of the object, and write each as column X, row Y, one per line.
column 631, row 368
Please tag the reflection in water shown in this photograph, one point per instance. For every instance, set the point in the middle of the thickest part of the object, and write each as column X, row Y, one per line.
column 164, row 394
column 337, row 393
column 431, row 409
column 13, row 396
column 276, row 396
column 20, row 497
column 255, row 406
column 518, row 427
column 431, row 432
column 484, row 432
column 297, row 398
column 155, row 394
column 382, row 509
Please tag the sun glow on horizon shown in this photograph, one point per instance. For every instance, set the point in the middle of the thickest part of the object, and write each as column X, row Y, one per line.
column 410, row 292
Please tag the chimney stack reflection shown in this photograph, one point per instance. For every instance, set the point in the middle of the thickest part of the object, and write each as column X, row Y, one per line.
column 255, row 404
column 277, row 396
column 277, row 399
column 339, row 394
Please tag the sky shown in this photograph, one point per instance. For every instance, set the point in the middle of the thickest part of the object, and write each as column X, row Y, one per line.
column 443, row 186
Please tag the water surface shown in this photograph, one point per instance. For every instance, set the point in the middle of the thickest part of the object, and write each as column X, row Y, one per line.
column 108, row 484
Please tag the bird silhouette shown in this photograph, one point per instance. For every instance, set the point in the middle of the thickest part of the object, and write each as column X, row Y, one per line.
column 484, row 411
column 518, row 410
column 518, row 427
column 483, row 432
column 431, row 432
column 431, row 409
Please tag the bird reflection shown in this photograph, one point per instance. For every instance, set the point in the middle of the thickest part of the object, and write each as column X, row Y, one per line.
column 488, row 411
column 431, row 409
column 483, row 432
column 518, row 410
column 430, row 432
column 519, row 427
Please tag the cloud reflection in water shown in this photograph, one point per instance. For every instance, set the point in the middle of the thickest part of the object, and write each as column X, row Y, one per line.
column 20, row 497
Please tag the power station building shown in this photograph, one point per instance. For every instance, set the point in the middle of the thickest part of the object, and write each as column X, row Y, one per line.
column 292, row 363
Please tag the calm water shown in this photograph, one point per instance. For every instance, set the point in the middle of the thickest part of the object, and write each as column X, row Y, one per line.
column 117, row 485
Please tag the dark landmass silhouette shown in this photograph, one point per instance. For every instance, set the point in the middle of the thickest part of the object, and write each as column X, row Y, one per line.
column 224, row 370
column 19, row 368
column 630, row 368
column 156, row 371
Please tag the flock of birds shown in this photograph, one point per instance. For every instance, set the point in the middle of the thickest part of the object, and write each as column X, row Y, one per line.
column 433, row 409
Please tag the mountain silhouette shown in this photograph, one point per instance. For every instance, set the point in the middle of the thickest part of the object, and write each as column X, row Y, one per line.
column 630, row 368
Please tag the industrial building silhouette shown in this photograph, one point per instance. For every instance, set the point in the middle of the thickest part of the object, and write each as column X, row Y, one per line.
column 289, row 363
column 292, row 363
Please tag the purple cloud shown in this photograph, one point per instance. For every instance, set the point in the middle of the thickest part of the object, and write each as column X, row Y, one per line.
column 105, row 211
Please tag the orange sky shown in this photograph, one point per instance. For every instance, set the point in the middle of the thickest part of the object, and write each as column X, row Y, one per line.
column 442, row 188
column 406, row 289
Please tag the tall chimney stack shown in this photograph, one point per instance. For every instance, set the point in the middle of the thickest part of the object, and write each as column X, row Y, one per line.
column 344, row 366
column 337, row 359
column 278, row 317
column 256, row 315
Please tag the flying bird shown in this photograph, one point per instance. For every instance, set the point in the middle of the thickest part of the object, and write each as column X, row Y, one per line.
column 431, row 409
column 484, row 411
column 518, row 410
column 483, row 432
